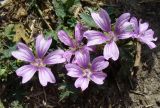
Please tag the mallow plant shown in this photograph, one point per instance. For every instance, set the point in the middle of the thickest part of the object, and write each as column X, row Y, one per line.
column 78, row 59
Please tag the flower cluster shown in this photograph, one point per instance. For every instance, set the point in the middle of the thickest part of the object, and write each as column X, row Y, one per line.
column 77, row 56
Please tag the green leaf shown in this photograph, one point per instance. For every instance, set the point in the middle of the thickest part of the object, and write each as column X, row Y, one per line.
column 9, row 31
column 1, row 104
column 16, row 104
column 87, row 19
column 7, row 53
column 51, row 33
column 72, row 21
column 69, row 4
column 59, row 8
column 2, row 71
column 65, row 94
column 62, row 87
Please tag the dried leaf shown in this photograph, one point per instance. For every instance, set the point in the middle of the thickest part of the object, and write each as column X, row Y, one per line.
column 21, row 13
column 20, row 34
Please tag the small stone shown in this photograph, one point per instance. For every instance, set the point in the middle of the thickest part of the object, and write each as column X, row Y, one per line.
column 158, row 55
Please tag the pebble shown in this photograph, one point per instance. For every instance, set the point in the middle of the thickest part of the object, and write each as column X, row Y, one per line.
column 158, row 55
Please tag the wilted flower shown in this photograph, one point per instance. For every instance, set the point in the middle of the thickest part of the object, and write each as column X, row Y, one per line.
column 85, row 71
column 142, row 33
column 38, row 62
column 122, row 31
column 74, row 44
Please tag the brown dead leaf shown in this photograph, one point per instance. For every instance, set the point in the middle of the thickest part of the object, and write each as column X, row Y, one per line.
column 21, row 34
column 5, row 3
column 21, row 13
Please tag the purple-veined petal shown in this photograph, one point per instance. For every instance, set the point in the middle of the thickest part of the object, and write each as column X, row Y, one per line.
column 134, row 23
column 98, row 77
column 42, row 45
column 64, row 38
column 126, row 27
column 147, row 38
column 95, row 37
column 111, row 51
column 151, row 44
column 121, row 20
column 82, row 58
column 24, row 48
column 125, row 35
column 82, row 82
column 23, row 53
column 45, row 75
column 68, row 55
column 143, row 26
column 27, row 72
column 79, row 30
column 22, row 56
column 149, row 35
column 89, row 48
column 55, row 57
column 99, row 63
column 73, row 70
column 102, row 20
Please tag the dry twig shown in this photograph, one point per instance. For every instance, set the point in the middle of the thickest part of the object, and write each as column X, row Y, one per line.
column 41, row 13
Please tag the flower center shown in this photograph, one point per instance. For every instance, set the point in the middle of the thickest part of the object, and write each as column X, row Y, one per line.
column 38, row 63
column 77, row 46
column 112, row 36
column 87, row 72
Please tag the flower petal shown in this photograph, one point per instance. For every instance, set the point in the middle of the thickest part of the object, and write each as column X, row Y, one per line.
column 45, row 76
column 111, row 51
column 73, row 70
column 42, row 45
column 151, row 45
column 64, row 38
column 147, row 38
column 24, row 48
column 82, row 82
column 99, row 63
column 149, row 35
column 126, row 27
column 23, row 53
column 68, row 55
column 27, row 72
column 55, row 57
column 122, row 19
column 95, row 37
column 79, row 30
column 134, row 23
column 143, row 26
column 125, row 35
column 102, row 20
column 89, row 48
column 98, row 77
column 82, row 58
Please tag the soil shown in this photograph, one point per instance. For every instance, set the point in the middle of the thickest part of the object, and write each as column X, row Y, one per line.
column 147, row 92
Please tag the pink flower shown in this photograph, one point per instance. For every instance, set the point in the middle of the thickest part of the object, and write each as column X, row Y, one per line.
column 74, row 44
column 85, row 71
column 122, row 31
column 142, row 33
column 38, row 62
